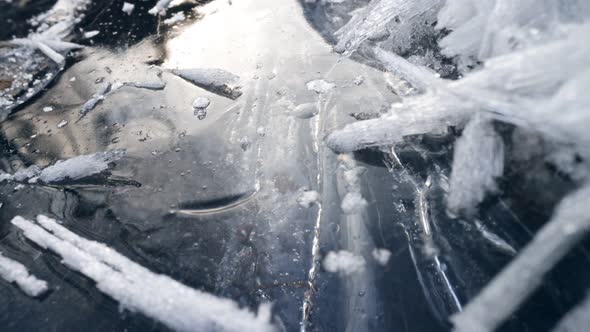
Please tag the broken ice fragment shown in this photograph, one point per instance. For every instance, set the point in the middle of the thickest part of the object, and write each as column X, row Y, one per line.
column 90, row 34
column 201, row 102
column 200, row 105
column 13, row 271
column 147, row 85
column 47, row 109
column 358, row 80
column 178, row 17
column 308, row 198
column 343, row 262
column 62, row 123
column 96, row 98
column 320, row 86
column 477, row 162
column 160, row 7
column 382, row 256
column 128, row 8
column 305, row 111
column 80, row 166
column 158, row 296
column 214, row 80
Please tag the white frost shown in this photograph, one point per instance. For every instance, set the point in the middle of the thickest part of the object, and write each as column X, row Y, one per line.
column 320, row 86
column 308, row 198
column 382, row 256
column 343, row 262
column 128, row 8
column 178, row 17
column 80, row 166
column 138, row 289
column 13, row 271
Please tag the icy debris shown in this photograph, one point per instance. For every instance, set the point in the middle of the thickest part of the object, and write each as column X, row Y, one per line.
column 47, row 109
column 578, row 319
column 150, row 85
column 343, row 262
column 160, row 7
column 506, row 292
column 308, row 198
column 62, row 123
column 305, row 111
column 128, row 8
column 178, row 17
column 80, row 167
column 13, row 271
column 96, row 98
column 478, row 160
column 382, row 256
column 484, row 29
column 160, row 297
column 492, row 238
column 217, row 81
column 200, row 105
column 359, row 80
column 261, row 131
column 201, row 102
column 91, row 34
column 320, row 86
column 53, row 49
column 402, row 22
column 74, row 168
column 353, row 203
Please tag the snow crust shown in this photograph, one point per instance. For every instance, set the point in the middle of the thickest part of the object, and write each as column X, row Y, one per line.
column 160, row 297
column 13, row 271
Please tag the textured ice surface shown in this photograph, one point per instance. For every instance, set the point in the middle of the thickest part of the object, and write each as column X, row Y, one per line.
column 320, row 86
column 138, row 289
column 477, row 163
column 401, row 21
column 343, row 262
column 214, row 80
column 506, row 292
column 308, row 198
column 13, row 271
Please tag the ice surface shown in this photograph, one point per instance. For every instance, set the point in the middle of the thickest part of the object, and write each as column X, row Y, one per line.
column 477, row 163
column 138, row 289
column 577, row 320
column 13, row 271
column 343, row 262
column 506, row 292
column 401, row 21
column 382, row 256
column 308, row 198
column 215, row 80
column 79, row 167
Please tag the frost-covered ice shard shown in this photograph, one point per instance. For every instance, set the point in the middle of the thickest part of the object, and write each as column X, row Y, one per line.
column 13, row 271
column 138, row 289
